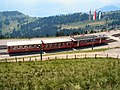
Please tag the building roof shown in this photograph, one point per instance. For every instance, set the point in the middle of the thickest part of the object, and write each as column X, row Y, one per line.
column 18, row 43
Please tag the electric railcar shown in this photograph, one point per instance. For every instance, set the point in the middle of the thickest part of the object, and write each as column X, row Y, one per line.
column 55, row 43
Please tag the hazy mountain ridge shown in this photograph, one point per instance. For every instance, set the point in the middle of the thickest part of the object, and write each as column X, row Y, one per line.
column 109, row 8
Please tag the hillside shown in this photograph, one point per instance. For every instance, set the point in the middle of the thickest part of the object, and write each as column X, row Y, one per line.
column 14, row 24
column 10, row 20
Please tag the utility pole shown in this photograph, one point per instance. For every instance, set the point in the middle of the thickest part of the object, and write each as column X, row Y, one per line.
column 40, row 51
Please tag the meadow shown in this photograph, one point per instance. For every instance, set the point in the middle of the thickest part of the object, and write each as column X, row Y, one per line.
column 71, row 74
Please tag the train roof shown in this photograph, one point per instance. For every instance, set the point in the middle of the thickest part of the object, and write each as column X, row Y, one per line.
column 18, row 43
column 57, row 40
column 54, row 40
column 78, row 38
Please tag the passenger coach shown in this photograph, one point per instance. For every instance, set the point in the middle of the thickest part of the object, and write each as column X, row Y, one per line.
column 23, row 46
column 51, row 44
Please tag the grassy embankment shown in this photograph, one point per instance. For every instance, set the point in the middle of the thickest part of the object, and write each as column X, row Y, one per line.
column 79, row 74
column 83, row 24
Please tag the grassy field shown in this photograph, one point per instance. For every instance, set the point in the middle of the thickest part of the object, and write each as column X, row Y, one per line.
column 79, row 74
column 83, row 24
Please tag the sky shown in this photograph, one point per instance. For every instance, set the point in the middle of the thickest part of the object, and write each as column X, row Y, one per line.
column 44, row 8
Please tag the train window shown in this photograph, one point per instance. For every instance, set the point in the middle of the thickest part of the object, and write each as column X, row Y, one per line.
column 20, row 47
column 15, row 47
column 11, row 48
column 55, row 45
column 35, row 46
column 32, row 46
column 25, row 46
column 59, row 44
column 68, row 44
column 90, row 40
column 47, row 45
column 50, row 45
column 38, row 46
column 63, row 44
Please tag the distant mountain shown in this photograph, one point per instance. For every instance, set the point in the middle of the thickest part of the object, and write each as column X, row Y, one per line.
column 109, row 8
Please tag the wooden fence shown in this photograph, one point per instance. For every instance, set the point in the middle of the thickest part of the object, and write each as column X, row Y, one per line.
column 55, row 57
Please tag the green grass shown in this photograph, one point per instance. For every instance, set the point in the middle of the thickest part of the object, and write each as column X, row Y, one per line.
column 83, row 24
column 79, row 74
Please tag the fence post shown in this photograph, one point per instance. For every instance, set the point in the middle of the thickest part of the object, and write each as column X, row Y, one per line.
column 107, row 56
column 30, row 59
column 75, row 56
column 66, row 56
column 85, row 55
column 35, row 59
column 6, row 59
column 55, row 58
column 23, row 59
column 95, row 55
column 48, row 58
column 117, row 56
column 16, row 59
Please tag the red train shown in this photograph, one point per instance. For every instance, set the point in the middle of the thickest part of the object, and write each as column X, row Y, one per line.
column 55, row 43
